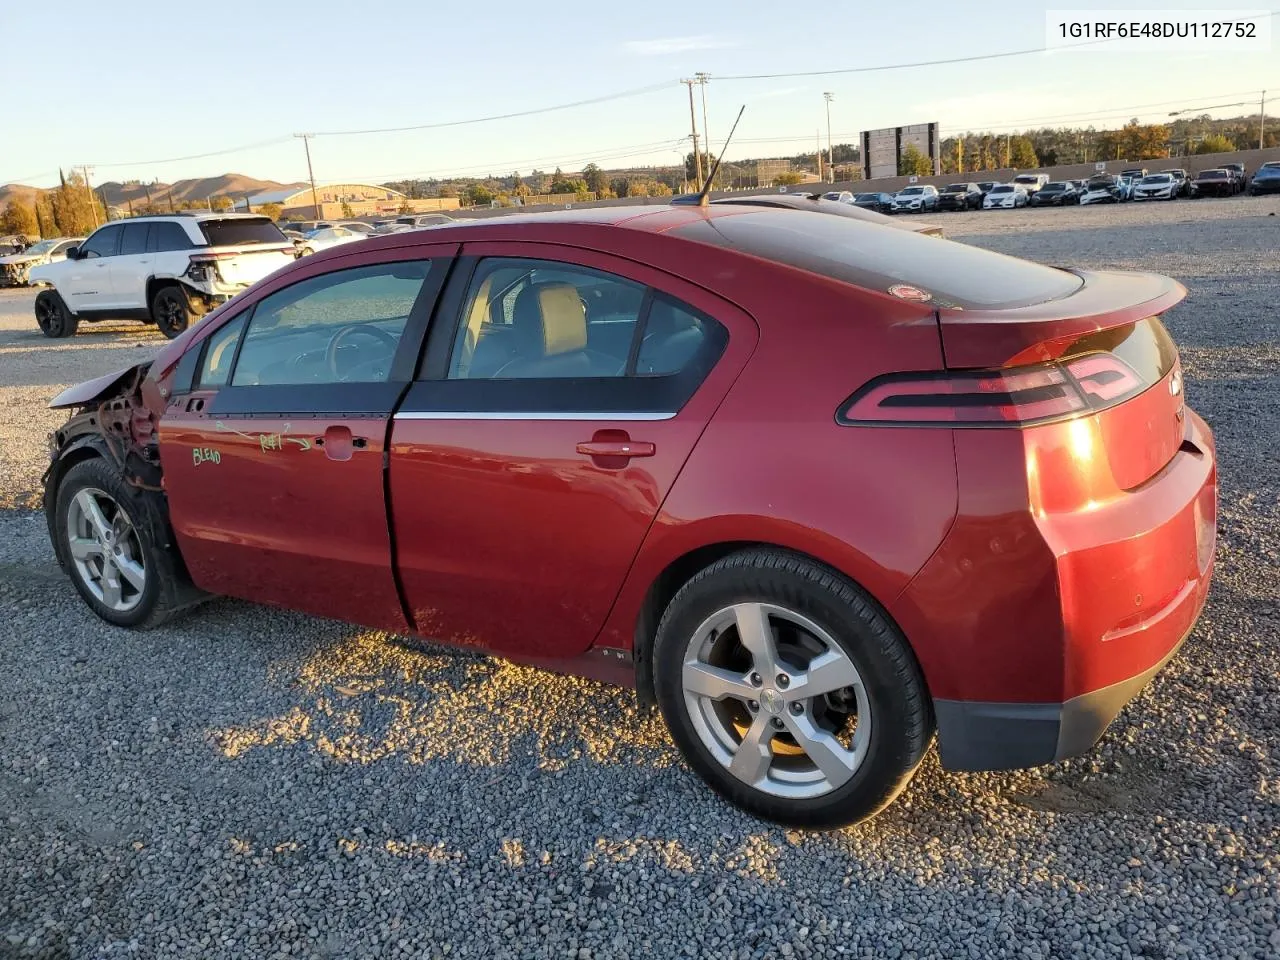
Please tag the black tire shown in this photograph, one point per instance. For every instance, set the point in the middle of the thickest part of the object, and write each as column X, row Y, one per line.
column 171, row 310
column 902, row 728
column 53, row 317
column 167, row 591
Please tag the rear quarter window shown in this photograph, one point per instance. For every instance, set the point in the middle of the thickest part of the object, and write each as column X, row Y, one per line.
column 876, row 257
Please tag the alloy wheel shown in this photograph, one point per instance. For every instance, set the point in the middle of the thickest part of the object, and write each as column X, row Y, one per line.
column 776, row 700
column 105, row 550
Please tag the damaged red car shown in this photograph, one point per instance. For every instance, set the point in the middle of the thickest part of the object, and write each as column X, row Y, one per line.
column 821, row 489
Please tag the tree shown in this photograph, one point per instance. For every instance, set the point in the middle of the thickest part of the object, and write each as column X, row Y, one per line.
column 595, row 179
column 620, row 186
column 562, row 184
column 405, row 206
column 480, row 195
column 1215, row 143
column 221, row 203
column 347, row 212
column 44, row 215
column 1022, row 154
column 788, row 178
column 76, row 210
column 659, row 189
column 912, row 162
column 19, row 218
column 272, row 210
column 690, row 171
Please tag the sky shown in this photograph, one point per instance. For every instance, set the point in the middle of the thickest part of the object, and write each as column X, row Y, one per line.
column 146, row 94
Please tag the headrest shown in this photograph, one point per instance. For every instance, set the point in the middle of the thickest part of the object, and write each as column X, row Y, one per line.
column 550, row 319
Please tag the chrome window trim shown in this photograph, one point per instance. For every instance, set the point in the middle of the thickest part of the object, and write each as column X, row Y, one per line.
column 528, row 415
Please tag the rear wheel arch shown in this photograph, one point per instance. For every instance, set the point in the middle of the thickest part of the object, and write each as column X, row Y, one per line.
column 688, row 565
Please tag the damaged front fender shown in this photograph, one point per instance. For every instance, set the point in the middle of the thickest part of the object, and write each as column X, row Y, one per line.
column 98, row 389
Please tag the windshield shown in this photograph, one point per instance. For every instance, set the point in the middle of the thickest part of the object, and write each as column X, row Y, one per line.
column 956, row 188
column 911, row 191
column 1157, row 178
column 1053, row 187
column 1214, row 175
column 867, row 196
column 241, row 231
column 875, row 258
column 1002, row 188
column 44, row 246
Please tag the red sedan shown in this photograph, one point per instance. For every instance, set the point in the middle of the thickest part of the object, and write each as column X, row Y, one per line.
column 819, row 487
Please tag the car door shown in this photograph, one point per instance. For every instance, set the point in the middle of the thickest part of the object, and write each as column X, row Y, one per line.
column 526, row 463
column 88, row 277
column 273, row 452
column 131, row 266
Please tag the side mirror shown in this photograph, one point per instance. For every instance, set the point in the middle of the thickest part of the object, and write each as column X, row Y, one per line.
column 73, row 253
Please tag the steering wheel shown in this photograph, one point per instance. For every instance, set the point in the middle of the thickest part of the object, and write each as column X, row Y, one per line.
column 351, row 330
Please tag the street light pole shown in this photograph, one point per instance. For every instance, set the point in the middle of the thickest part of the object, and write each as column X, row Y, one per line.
column 306, row 144
column 831, row 157
column 1262, row 118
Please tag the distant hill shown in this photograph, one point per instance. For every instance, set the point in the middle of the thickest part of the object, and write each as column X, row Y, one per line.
column 234, row 185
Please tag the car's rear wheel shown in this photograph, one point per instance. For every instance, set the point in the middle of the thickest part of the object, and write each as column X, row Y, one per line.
column 789, row 692
column 171, row 310
column 53, row 317
column 115, row 541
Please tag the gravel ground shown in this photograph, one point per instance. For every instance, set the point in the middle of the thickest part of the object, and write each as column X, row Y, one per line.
column 252, row 783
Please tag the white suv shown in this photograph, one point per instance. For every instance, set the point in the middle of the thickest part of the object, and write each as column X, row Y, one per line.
column 169, row 270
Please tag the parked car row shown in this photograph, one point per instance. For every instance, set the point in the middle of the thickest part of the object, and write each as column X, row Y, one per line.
column 15, row 269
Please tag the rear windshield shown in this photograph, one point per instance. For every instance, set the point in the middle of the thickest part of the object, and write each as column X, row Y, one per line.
column 241, row 231
column 1025, row 179
column 1053, row 187
column 956, row 188
column 1214, row 175
column 867, row 196
column 876, row 258
column 911, row 191
column 1002, row 188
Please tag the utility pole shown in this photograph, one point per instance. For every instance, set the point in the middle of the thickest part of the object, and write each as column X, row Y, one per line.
column 703, row 79
column 1262, row 119
column 831, row 157
column 693, row 123
column 817, row 142
column 306, row 144
column 92, row 206
column 1007, row 156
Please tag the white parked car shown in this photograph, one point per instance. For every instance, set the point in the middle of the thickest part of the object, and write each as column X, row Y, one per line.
column 417, row 221
column 919, row 198
column 1103, row 189
column 1156, row 186
column 329, row 237
column 1030, row 182
column 1004, row 196
column 840, row 196
column 169, row 270
column 15, row 269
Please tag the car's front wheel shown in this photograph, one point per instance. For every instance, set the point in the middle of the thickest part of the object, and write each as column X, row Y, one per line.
column 789, row 692
column 52, row 316
column 115, row 541
column 171, row 310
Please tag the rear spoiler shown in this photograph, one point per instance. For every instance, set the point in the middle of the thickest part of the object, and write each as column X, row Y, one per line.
column 996, row 338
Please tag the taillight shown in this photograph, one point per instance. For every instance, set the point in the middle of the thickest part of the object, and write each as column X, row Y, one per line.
column 992, row 398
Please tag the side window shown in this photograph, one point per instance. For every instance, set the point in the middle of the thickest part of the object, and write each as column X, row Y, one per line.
column 134, row 238
column 103, row 243
column 537, row 319
column 219, row 351
column 166, row 236
column 341, row 327
column 673, row 336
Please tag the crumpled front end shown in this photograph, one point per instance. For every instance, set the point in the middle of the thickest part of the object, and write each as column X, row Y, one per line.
column 15, row 272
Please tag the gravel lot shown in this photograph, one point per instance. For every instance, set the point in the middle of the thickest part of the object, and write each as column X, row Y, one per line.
column 252, row 783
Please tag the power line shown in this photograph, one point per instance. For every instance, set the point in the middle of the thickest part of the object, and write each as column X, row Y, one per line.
column 936, row 63
column 198, row 156
column 638, row 91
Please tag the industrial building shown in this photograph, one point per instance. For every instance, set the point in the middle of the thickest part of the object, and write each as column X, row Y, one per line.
column 359, row 199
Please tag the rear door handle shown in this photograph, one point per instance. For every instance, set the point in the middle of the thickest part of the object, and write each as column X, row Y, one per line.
column 617, row 448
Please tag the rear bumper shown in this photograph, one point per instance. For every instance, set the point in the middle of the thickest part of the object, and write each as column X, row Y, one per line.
column 1038, row 619
column 981, row 735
